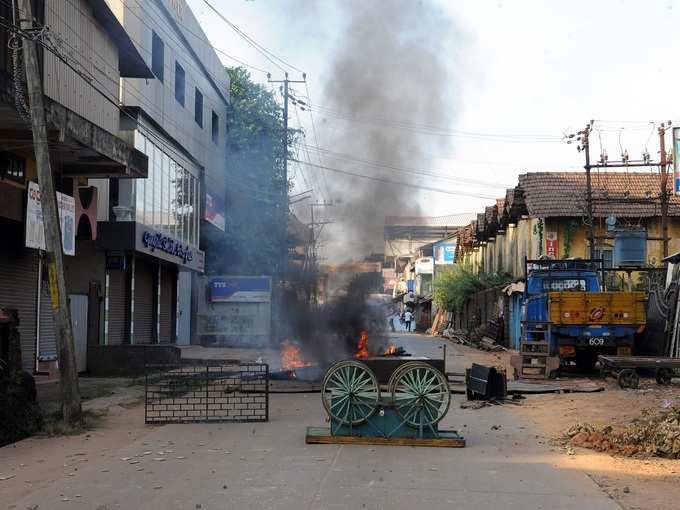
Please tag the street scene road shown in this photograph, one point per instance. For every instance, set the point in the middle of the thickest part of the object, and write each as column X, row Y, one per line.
column 347, row 254
column 125, row 464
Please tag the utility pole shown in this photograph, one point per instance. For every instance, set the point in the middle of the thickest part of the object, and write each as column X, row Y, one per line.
column 284, row 191
column 70, row 395
column 313, row 252
column 626, row 162
column 663, row 165
column 585, row 145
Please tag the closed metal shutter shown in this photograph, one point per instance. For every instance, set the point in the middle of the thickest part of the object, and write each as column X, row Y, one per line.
column 48, row 335
column 19, row 290
column 118, row 312
column 168, row 305
column 144, row 302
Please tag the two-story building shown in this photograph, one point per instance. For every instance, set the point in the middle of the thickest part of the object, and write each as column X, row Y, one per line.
column 155, row 230
column 86, row 53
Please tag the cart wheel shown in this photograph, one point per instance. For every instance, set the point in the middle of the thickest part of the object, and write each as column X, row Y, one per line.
column 664, row 376
column 628, row 378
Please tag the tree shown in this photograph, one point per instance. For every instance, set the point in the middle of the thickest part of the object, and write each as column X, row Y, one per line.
column 256, row 210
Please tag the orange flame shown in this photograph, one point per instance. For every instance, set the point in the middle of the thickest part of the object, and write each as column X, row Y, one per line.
column 391, row 349
column 291, row 357
column 362, row 351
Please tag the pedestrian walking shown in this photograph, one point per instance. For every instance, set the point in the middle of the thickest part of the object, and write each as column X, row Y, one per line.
column 408, row 317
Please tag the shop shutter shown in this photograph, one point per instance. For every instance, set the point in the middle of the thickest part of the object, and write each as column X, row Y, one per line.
column 144, row 302
column 168, row 305
column 118, row 312
column 48, row 335
column 18, row 290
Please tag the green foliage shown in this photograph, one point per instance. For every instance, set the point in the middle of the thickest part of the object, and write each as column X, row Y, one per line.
column 571, row 227
column 256, row 215
column 539, row 227
column 453, row 288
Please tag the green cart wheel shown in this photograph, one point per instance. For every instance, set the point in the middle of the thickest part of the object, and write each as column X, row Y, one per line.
column 420, row 394
column 350, row 392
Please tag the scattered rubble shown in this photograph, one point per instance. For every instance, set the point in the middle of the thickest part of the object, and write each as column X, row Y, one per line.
column 653, row 433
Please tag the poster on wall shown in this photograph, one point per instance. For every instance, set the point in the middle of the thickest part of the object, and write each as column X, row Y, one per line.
column 35, row 229
column 445, row 253
column 551, row 247
column 214, row 211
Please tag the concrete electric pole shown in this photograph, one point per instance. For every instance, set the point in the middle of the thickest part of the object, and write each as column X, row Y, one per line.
column 70, row 394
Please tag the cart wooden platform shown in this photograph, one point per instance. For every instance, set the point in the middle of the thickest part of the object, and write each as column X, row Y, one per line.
column 624, row 368
column 322, row 435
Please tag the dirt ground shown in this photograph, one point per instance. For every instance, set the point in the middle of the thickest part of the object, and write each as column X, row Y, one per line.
column 636, row 484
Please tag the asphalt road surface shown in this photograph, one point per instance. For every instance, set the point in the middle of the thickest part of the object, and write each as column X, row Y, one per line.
column 126, row 465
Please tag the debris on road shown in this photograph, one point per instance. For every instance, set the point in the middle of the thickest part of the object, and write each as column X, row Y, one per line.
column 654, row 433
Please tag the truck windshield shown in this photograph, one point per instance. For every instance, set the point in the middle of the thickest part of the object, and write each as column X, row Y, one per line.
column 571, row 284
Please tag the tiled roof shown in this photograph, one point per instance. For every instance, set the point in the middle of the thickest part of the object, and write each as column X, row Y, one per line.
column 450, row 220
column 622, row 194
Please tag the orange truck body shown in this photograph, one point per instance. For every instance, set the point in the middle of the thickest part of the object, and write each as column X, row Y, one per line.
column 597, row 308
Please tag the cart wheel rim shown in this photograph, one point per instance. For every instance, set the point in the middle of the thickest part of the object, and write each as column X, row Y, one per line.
column 350, row 392
column 420, row 394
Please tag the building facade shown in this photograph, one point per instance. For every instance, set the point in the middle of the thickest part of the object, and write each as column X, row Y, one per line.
column 80, row 94
column 156, row 229
column 544, row 215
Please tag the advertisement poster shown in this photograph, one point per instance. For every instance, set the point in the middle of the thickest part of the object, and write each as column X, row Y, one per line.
column 35, row 230
column 425, row 265
column 214, row 211
column 551, row 248
column 445, row 253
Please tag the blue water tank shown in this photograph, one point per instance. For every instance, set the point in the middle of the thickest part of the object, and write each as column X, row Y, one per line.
column 630, row 248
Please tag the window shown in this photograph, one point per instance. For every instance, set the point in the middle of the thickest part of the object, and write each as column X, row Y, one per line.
column 180, row 81
column 215, row 127
column 198, row 108
column 12, row 167
column 157, row 56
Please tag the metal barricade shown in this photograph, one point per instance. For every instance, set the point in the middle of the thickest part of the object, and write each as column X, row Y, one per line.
column 213, row 392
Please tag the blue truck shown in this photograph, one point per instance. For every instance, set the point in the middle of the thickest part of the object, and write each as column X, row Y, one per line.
column 569, row 318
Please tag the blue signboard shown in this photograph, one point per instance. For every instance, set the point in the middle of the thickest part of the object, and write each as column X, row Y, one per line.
column 240, row 289
column 445, row 252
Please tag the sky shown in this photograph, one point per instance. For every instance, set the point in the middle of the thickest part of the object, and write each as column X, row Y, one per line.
column 515, row 77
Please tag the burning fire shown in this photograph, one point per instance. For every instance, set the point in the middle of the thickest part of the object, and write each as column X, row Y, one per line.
column 362, row 351
column 390, row 351
column 291, row 357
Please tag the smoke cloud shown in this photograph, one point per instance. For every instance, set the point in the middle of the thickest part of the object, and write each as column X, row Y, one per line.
column 392, row 63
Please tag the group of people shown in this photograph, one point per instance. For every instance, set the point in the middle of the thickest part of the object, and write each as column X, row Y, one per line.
column 405, row 319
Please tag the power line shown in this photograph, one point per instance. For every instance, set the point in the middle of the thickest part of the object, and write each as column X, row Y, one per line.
column 399, row 183
column 408, row 171
column 316, row 139
column 261, row 49
column 426, row 128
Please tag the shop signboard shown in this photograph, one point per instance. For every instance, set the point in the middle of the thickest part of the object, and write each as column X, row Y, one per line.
column 551, row 246
column 35, row 229
column 425, row 265
column 240, row 289
column 445, row 252
column 163, row 246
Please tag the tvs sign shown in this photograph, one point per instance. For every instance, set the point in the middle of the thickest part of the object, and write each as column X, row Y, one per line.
column 244, row 289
